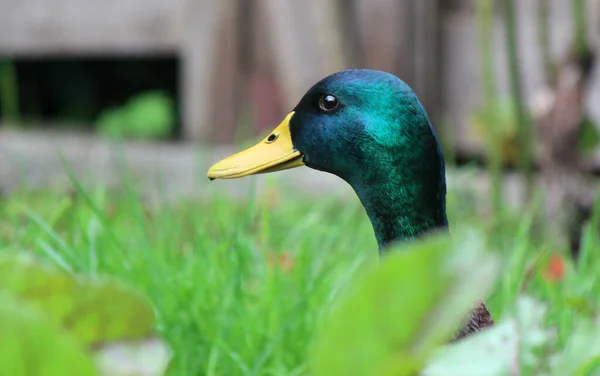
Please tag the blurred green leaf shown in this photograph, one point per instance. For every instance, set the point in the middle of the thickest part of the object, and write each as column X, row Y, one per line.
column 582, row 352
column 94, row 311
column 509, row 345
column 497, row 123
column 31, row 345
column 9, row 92
column 104, row 316
column 111, row 123
column 148, row 116
column 396, row 315
column 588, row 135
column 501, row 114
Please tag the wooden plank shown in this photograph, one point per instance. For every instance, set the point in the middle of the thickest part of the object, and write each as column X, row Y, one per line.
column 349, row 25
column 382, row 33
column 159, row 170
column 402, row 37
column 426, row 57
column 266, row 96
column 329, row 43
column 225, row 81
column 290, row 30
column 69, row 27
column 306, row 42
column 173, row 170
column 200, row 18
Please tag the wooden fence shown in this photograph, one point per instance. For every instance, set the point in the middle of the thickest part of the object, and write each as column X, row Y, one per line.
column 253, row 59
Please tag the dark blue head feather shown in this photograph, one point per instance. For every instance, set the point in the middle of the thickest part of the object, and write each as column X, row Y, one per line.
column 380, row 140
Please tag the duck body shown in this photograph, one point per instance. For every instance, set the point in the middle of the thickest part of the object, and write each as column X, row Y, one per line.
column 368, row 128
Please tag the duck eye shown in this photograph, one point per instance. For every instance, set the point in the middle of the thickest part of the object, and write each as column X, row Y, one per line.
column 328, row 103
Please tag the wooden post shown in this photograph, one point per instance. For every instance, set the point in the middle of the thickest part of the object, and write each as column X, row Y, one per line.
column 426, row 46
column 306, row 43
column 225, row 86
column 329, row 42
column 348, row 19
column 401, row 37
column 200, row 19
column 382, row 33
column 268, row 103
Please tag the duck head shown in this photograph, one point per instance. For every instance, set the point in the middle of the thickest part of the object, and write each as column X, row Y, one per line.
column 369, row 128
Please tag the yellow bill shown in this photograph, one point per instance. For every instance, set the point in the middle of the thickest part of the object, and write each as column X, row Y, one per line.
column 274, row 153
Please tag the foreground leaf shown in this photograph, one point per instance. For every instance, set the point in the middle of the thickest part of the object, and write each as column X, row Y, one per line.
column 31, row 345
column 105, row 317
column 581, row 355
column 501, row 350
column 398, row 313
column 588, row 135
column 94, row 311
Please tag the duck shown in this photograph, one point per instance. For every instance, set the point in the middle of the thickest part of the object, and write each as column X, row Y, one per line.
column 369, row 128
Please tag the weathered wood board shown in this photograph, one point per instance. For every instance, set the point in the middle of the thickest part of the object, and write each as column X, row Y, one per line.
column 435, row 49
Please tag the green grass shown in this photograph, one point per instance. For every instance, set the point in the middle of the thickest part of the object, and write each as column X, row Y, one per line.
column 239, row 285
column 208, row 268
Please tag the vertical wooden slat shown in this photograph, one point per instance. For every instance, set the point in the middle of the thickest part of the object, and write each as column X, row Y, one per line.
column 329, row 44
column 246, row 10
column 380, row 31
column 593, row 22
column 405, row 40
column 426, row 47
column 200, row 19
column 266, row 94
column 225, row 84
column 349, row 29
column 401, row 37
column 290, row 29
column 306, row 42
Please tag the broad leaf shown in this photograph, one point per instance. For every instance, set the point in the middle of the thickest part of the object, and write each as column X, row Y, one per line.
column 395, row 316
column 32, row 345
column 94, row 311
column 101, row 315
column 588, row 135
column 509, row 345
column 147, row 116
column 581, row 355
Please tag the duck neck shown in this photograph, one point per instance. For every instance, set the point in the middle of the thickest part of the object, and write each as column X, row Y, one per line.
column 401, row 207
